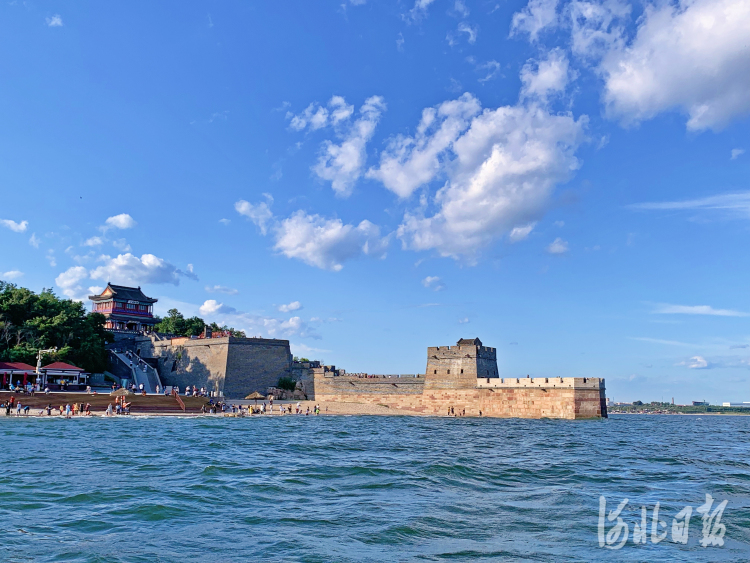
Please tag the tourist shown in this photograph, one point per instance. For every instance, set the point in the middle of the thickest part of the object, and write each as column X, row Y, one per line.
column 67, row 411
column 118, row 408
column 7, row 408
column 26, row 410
column 46, row 389
column 18, row 409
column 157, row 389
column 88, row 409
column 49, row 409
column 141, row 387
column 108, row 412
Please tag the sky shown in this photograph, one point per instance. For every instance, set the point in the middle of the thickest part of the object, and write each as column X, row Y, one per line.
column 567, row 181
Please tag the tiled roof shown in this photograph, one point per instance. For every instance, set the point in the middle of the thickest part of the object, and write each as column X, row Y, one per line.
column 62, row 366
column 125, row 293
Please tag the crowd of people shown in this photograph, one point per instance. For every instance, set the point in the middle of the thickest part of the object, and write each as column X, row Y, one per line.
column 67, row 410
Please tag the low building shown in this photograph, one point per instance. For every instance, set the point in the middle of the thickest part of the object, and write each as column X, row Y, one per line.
column 745, row 405
column 60, row 373
column 17, row 373
column 125, row 308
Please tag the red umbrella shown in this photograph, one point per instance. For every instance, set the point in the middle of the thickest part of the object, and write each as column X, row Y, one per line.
column 25, row 379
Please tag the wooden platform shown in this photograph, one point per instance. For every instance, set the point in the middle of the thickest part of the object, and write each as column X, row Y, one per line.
column 150, row 404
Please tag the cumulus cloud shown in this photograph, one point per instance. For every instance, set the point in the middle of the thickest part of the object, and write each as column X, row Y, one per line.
column 687, row 56
column 736, row 153
column 434, row 283
column 410, row 162
column 518, row 234
column 288, row 308
column 327, row 243
column 696, row 362
column 55, row 21
column 70, row 280
column 213, row 307
column 221, row 289
column 11, row 275
column 535, row 17
column 666, row 309
column 547, row 77
column 94, row 241
column 501, row 167
column 691, row 55
column 13, row 226
column 126, row 269
column 558, row 246
column 258, row 213
column 342, row 164
column 121, row 221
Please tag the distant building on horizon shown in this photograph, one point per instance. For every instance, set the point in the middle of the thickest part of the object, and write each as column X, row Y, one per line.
column 126, row 308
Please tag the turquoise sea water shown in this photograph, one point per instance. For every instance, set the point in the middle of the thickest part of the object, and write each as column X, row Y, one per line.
column 364, row 489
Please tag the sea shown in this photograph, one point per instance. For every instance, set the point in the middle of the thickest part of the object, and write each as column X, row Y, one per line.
column 636, row 488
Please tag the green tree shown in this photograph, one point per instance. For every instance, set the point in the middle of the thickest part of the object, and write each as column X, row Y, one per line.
column 30, row 322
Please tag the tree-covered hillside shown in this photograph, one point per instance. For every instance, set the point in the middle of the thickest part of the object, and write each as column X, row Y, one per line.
column 30, row 322
column 176, row 323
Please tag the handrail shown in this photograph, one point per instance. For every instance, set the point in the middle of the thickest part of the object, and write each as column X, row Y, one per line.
column 180, row 402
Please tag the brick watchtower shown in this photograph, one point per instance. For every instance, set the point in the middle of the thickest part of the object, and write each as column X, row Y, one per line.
column 459, row 366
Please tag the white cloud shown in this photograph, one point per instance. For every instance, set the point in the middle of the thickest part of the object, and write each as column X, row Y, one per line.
column 221, row 289
column 213, row 307
column 463, row 321
column 121, row 244
column 558, row 246
column 51, row 258
column 535, row 17
column 11, row 275
column 419, row 10
column 460, row 7
column 258, row 213
column 127, row 269
column 463, row 27
column 666, row 309
column 691, row 55
column 541, row 79
column 70, row 280
column 491, row 68
column 55, row 21
column 342, row 163
column 737, row 153
column 225, row 221
column 34, row 241
column 94, row 241
column 327, row 243
column 696, row 362
column 518, row 234
column 736, row 204
column 501, row 165
column 434, row 283
column 410, row 162
column 288, row 308
column 13, row 226
column 597, row 26
column 121, row 221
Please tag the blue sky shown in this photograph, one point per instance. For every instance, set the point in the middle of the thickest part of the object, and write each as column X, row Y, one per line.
column 566, row 180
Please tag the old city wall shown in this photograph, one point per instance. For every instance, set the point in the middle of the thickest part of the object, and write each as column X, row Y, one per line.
column 182, row 362
column 569, row 398
column 234, row 366
column 254, row 365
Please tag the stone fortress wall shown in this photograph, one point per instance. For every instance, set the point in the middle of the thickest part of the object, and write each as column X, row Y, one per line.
column 465, row 376
column 233, row 366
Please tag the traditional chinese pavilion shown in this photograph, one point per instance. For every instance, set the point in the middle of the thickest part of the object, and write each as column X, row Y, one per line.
column 126, row 308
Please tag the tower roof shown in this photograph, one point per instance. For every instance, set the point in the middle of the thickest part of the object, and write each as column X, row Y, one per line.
column 122, row 292
column 469, row 342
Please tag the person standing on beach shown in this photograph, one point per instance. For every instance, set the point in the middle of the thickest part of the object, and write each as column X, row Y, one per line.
column 67, row 411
